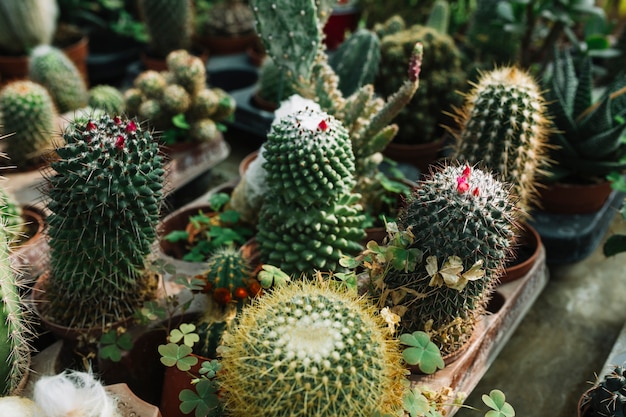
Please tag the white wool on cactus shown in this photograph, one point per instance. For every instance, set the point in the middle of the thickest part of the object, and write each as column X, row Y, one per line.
column 18, row 407
column 294, row 104
column 73, row 394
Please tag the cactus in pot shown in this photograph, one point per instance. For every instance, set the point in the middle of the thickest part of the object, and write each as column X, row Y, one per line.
column 106, row 98
column 169, row 25
column 104, row 197
column 503, row 126
column 462, row 259
column 11, row 215
column 309, row 217
column 607, row 397
column 50, row 67
column 24, row 24
column 29, row 119
column 310, row 349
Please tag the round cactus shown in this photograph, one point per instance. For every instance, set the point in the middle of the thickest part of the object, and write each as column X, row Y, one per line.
column 175, row 99
column 151, row 84
column 187, row 71
column 105, row 198
column 463, row 221
column 307, row 349
column 107, row 98
column 229, row 276
column 50, row 67
column 29, row 116
column 503, row 126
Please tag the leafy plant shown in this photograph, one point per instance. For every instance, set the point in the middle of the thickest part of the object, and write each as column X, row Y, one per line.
column 421, row 352
column 207, row 232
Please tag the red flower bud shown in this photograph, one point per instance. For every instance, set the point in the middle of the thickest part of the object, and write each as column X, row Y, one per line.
column 222, row 296
column 117, row 120
column 241, row 293
column 476, row 192
column 462, row 187
column 91, row 125
column 323, row 125
column 467, row 171
column 119, row 142
column 131, row 127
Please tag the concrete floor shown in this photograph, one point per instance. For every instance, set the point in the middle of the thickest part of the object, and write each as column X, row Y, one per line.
column 563, row 341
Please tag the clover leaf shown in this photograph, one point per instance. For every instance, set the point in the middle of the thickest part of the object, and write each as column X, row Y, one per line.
column 496, row 400
column 421, row 352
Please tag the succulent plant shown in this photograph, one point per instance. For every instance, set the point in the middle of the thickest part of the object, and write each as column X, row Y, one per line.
column 462, row 219
column 15, row 333
column 228, row 18
column 29, row 116
column 588, row 142
column 10, row 215
column 503, row 126
column 442, row 76
column 309, row 349
column 169, row 24
column 25, row 24
column 309, row 217
column 104, row 197
column 608, row 395
column 107, row 98
column 50, row 67
column 274, row 86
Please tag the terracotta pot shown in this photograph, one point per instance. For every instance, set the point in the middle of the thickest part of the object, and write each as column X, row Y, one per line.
column 420, row 155
column 173, row 383
column 528, row 249
column 563, row 198
column 583, row 408
column 35, row 221
column 223, row 45
column 129, row 405
column 261, row 103
column 246, row 161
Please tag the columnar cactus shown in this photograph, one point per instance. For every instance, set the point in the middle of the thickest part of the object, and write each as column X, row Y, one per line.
column 11, row 215
column 463, row 222
column 50, row 67
column 106, row 98
column 14, row 332
column 169, row 24
column 309, row 217
column 306, row 349
column 156, row 97
column 504, row 127
column 29, row 119
column 104, row 198
column 25, row 24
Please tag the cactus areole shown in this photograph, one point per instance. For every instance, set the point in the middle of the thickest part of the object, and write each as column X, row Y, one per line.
column 104, row 197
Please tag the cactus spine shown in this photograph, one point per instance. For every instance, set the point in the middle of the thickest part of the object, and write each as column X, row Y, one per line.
column 463, row 221
column 25, row 24
column 11, row 215
column 50, row 67
column 309, row 217
column 29, row 116
column 503, row 127
column 104, row 200
column 306, row 349
column 169, row 24
column 14, row 331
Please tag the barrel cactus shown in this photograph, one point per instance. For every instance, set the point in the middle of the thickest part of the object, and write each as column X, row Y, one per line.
column 104, row 197
column 169, row 24
column 309, row 217
column 441, row 77
column 308, row 349
column 462, row 220
column 50, row 67
column 608, row 395
column 106, row 98
column 29, row 119
column 503, row 126
column 24, row 24
column 14, row 331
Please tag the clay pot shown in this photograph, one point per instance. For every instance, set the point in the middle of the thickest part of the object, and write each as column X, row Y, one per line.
column 223, row 45
column 420, row 155
column 174, row 382
column 564, row 198
column 528, row 249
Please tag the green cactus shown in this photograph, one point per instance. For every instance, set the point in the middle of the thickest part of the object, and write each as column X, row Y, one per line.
column 105, row 199
column 442, row 76
column 608, row 395
column 169, row 24
column 107, row 98
column 175, row 99
column 308, row 349
column 414, row 12
column 11, row 215
column 50, row 67
column 309, row 217
column 462, row 219
column 588, row 142
column 151, row 84
column 228, row 18
column 503, row 126
column 274, row 85
column 24, row 24
column 29, row 116
column 356, row 61
column 14, row 330
column 187, row 71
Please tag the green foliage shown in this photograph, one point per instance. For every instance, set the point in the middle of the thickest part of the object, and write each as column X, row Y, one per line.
column 52, row 68
column 29, row 119
column 104, row 197
column 113, row 343
column 496, row 400
column 269, row 276
column 421, row 351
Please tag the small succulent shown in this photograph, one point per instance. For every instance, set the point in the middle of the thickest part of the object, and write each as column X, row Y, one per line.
column 608, row 395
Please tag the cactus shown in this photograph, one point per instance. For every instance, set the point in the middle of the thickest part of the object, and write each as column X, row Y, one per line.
column 608, row 395
column 107, row 98
column 229, row 18
column 356, row 60
column 104, row 198
column 14, row 330
column 11, row 215
column 274, row 85
column 309, row 217
column 50, row 67
column 463, row 221
column 29, row 116
column 588, row 142
column 504, row 127
column 442, row 76
column 169, row 24
column 187, row 70
column 308, row 349
column 24, row 24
